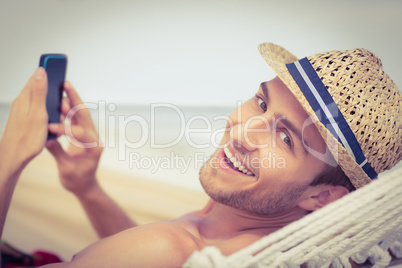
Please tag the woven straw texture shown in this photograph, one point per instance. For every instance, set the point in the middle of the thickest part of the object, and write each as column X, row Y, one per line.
column 366, row 96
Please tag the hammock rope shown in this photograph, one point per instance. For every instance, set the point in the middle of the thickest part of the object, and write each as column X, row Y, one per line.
column 363, row 225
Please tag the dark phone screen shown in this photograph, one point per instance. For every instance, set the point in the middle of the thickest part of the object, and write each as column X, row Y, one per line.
column 55, row 66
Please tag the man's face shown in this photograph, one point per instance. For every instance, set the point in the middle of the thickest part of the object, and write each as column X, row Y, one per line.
column 266, row 140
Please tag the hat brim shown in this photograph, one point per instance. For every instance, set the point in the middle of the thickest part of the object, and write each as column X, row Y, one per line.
column 277, row 57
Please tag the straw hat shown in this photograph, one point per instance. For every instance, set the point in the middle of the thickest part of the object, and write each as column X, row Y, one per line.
column 352, row 101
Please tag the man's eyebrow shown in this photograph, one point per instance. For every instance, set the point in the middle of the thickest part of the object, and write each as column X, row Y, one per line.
column 265, row 91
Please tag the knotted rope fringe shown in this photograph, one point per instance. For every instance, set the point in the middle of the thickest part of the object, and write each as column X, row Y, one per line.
column 361, row 226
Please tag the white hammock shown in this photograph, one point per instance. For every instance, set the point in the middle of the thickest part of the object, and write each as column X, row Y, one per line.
column 363, row 225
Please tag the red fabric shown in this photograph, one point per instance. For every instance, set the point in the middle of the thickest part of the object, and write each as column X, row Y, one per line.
column 42, row 258
column 39, row 258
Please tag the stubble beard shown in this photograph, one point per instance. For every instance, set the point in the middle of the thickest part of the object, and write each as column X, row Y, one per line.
column 273, row 203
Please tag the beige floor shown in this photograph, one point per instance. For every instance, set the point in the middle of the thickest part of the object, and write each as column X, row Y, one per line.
column 45, row 216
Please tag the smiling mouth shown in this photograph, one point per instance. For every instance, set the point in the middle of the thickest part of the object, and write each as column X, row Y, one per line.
column 233, row 163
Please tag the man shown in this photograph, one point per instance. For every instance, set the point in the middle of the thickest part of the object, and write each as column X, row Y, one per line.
column 332, row 108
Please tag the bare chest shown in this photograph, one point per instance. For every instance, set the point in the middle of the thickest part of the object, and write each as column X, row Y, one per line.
column 227, row 243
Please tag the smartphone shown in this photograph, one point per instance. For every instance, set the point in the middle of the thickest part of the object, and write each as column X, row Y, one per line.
column 55, row 66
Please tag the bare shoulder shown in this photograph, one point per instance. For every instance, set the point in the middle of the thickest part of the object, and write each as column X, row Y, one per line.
column 153, row 245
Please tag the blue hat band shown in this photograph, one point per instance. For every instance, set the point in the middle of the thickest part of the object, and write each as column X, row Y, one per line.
column 327, row 111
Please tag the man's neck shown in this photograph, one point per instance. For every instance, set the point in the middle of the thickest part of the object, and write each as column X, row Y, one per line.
column 220, row 221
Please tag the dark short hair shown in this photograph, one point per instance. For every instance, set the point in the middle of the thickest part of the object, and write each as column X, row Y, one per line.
column 333, row 176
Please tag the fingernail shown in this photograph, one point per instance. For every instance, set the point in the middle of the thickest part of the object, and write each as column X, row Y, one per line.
column 39, row 73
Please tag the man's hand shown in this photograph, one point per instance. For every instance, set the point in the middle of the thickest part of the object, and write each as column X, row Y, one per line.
column 24, row 136
column 26, row 130
column 77, row 165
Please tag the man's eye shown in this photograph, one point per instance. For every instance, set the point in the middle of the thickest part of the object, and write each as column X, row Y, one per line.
column 262, row 104
column 285, row 138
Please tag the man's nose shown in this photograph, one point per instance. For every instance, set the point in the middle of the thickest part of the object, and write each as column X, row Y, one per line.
column 252, row 134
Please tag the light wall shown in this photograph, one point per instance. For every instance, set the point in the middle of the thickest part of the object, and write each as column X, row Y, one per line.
column 184, row 52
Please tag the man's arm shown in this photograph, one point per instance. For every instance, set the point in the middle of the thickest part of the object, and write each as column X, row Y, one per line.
column 154, row 245
column 24, row 136
column 78, row 164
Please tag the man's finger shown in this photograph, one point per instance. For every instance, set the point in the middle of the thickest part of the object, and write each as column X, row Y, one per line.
column 79, row 112
column 72, row 95
column 65, row 107
column 38, row 90
column 57, row 129
column 26, row 91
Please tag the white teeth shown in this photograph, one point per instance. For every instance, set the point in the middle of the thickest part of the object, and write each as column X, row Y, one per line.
column 232, row 159
column 236, row 163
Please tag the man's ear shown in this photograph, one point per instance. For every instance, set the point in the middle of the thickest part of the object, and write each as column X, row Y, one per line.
column 321, row 195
